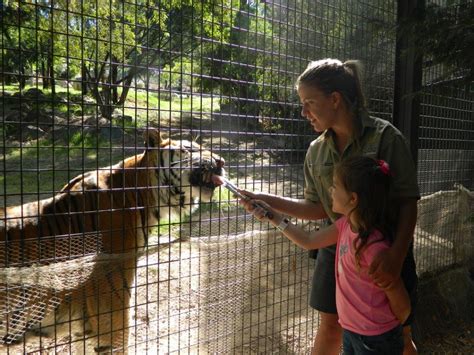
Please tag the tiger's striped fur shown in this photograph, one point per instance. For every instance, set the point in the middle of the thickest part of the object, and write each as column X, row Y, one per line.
column 118, row 205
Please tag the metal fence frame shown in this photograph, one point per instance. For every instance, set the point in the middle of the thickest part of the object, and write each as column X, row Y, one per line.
column 253, row 123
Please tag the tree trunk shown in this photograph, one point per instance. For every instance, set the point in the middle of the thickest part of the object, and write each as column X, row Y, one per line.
column 107, row 106
column 106, row 111
column 113, row 80
column 84, row 80
column 21, row 77
column 51, row 73
column 45, row 73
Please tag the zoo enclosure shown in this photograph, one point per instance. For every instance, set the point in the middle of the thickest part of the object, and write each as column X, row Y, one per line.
column 82, row 81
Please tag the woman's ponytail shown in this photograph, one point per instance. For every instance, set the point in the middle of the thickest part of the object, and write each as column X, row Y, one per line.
column 356, row 68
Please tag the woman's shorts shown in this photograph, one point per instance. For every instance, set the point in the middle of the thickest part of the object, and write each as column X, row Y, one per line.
column 323, row 288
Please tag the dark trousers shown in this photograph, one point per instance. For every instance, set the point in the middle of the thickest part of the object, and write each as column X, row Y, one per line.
column 389, row 343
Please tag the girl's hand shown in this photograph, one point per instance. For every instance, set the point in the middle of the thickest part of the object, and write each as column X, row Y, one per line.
column 249, row 202
column 249, row 195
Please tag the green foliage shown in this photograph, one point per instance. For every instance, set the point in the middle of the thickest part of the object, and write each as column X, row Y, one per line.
column 445, row 36
column 153, row 36
column 238, row 68
column 86, row 140
column 110, row 42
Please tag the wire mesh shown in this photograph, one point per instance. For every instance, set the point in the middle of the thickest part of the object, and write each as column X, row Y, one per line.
column 82, row 82
column 445, row 164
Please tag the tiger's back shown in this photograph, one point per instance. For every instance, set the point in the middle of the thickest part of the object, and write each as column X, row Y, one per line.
column 91, row 203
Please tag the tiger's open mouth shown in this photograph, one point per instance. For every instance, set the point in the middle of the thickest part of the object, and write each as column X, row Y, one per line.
column 202, row 176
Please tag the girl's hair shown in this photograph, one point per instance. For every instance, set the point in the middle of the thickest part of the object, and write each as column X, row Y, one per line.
column 331, row 75
column 370, row 179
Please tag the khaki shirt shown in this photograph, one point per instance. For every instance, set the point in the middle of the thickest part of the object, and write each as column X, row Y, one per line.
column 379, row 139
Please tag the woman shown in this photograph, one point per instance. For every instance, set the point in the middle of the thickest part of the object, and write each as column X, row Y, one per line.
column 332, row 99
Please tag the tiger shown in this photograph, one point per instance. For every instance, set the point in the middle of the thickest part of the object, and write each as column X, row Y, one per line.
column 117, row 205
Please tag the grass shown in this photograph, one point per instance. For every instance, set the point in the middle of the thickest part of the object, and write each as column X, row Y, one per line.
column 142, row 104
column 141, row 99
column 37, row 169
column 41, row 167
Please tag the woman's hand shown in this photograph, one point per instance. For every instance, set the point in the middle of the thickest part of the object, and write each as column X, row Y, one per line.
column 386, row 268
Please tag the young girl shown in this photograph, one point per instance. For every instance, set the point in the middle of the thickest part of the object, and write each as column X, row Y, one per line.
column 371, row 316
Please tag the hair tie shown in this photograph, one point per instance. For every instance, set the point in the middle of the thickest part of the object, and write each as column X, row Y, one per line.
column 384, row 167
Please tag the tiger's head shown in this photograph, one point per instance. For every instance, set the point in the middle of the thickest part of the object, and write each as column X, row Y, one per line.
column 183, row 170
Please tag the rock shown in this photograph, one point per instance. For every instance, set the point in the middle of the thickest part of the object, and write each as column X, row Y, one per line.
column 93, row 121
column 16, row 103
column 77, row 83
column 37, row 116
column 103, row 127
column 122, row 120
column 29, row 132
column 34, row 93
column 64, row 83
column 15, row 116
column 111, row 133
column 61, row 97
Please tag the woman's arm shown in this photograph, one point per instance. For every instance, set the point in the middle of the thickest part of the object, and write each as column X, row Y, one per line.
column 387, row 266
column 399, row 300
column 395, row 150
column 314, row 240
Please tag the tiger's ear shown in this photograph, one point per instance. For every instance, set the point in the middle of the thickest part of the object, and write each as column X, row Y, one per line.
column 153, row 138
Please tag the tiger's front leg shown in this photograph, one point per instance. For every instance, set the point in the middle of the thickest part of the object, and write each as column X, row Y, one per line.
column 108, row 305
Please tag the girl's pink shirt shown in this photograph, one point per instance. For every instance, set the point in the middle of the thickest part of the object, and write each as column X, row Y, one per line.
column 363, row 307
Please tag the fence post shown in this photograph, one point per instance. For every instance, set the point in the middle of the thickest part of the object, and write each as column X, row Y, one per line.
column 408, row 74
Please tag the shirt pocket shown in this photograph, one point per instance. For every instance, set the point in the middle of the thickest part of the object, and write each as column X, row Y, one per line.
column 323, row 177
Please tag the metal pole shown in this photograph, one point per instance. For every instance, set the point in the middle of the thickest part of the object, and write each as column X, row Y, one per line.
column 408, row 74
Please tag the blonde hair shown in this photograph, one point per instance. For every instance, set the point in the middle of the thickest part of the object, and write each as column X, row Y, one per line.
column 332, row 75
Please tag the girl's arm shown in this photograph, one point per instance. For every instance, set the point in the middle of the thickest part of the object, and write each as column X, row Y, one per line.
column 307, row 240
column 399, row 300
column 314, row 240
column 298, row 208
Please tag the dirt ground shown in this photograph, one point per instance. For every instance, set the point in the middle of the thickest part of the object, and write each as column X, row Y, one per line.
column 456, row 340
column 232, row 305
